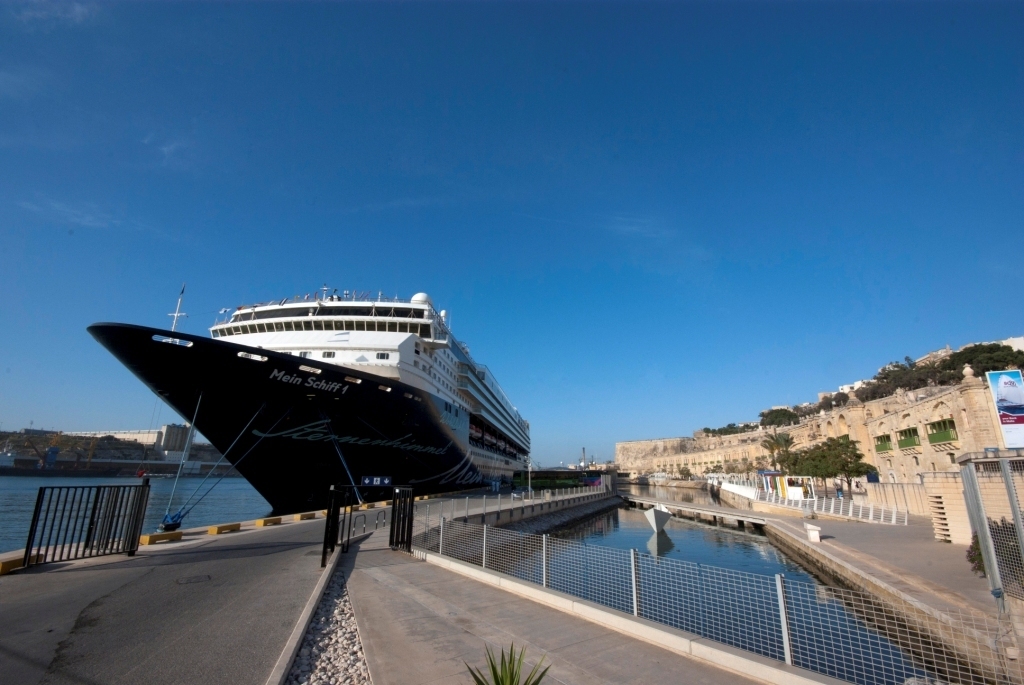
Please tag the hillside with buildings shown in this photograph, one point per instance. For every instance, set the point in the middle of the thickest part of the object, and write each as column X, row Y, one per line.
column 912, row 417
column 157, row 451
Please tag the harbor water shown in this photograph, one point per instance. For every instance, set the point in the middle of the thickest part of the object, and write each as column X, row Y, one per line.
column 231, row 499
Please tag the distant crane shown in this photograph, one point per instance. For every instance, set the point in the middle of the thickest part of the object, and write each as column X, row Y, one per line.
column 42, row 459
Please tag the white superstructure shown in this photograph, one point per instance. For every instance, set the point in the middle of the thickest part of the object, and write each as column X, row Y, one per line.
column 405, row 340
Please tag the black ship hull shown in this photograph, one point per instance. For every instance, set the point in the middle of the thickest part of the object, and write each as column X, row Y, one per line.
column 293, row 426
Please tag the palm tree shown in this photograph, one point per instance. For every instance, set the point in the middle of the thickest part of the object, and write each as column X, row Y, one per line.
column 771, row 444
column 785, row 444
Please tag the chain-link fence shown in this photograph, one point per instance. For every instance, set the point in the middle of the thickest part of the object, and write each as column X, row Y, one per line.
column 992, row 482
column 845, row 634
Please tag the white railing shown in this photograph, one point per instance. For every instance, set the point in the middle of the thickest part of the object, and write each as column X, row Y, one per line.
column 832, row 506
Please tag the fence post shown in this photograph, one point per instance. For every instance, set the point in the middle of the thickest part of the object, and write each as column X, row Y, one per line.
column 467, row 509
column 632, row 573
column 544, row 560
column 484, row 562
column 440, row 542
column 485, row 510
column 499, row 506
column 780, row 588
column 871, row 511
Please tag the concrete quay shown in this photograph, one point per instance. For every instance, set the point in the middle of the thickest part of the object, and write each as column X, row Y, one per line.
column 504, row 509
column 208, row 609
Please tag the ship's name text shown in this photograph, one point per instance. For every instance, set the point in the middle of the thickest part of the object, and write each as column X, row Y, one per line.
column 311, row 382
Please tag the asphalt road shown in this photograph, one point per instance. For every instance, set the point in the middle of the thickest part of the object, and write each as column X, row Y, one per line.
column 215, row 610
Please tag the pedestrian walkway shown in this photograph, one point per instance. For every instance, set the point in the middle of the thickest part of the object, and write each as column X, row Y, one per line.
column 908, row 558
column 419, row 623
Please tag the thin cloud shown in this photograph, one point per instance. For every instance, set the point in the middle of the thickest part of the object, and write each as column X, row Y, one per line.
column 87, row 216
column 49, row 12
column 639, row 226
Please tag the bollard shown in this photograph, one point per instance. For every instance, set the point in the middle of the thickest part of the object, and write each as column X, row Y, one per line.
column 499, row 506
column 467, row 509
column 485, row 509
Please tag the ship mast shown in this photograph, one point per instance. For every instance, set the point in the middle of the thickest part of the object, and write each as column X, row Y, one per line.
column 177, row 310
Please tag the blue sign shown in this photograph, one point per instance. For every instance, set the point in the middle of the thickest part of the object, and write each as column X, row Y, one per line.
column 378, row 481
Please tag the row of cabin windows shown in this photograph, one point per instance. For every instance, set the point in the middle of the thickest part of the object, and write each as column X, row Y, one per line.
column 329, row 354
column 420, row 329
column 291, row 312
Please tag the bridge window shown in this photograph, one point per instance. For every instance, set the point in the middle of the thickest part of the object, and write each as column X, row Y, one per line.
column 383, row 355
column 318, row 325
column 328, row 355
column 304, row 355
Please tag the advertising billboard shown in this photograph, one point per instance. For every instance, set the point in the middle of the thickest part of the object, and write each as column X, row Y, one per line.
column 1008, row 392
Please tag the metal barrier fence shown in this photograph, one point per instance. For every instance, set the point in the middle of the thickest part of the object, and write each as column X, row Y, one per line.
column 845, row 634
column 839, row 507
column 991, row 481
column 469, row 506
column 77, row 522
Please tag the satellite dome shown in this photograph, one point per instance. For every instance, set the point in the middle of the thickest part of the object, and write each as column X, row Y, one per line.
column 422, row 298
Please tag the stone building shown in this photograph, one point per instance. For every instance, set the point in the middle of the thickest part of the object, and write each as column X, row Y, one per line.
column 904, row 436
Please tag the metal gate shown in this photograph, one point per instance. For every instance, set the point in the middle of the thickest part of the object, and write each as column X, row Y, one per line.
column 335, row 530
column 401, row 519
column 77, row 522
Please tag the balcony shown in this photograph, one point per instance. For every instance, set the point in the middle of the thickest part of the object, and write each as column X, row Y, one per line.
column 885, row 446
column 909, row 441
column 948, row 435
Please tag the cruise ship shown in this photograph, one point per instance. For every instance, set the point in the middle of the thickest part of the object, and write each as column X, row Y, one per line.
column 335, row 388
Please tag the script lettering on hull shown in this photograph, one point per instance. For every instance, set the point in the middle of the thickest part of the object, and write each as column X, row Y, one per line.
column 318, row 431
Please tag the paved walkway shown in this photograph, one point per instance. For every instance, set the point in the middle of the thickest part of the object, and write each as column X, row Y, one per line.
column 908, row 558
column 210, row 610
column 419, row 623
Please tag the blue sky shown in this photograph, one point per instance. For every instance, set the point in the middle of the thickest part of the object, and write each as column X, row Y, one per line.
column 644, row 217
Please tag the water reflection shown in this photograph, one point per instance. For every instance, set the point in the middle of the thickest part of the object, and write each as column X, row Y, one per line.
column 673, row 494
column 721, row 546
column 660, row 544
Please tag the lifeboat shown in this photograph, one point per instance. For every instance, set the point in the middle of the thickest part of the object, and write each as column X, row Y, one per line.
column 489, row 439
column 501, row 444
column 475, row 432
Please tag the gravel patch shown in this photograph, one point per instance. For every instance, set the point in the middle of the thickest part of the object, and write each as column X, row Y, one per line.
column 331, row 653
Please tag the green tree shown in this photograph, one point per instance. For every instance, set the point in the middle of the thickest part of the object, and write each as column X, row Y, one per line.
column 779, row 417
column 833, row 458
column 949, row 371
